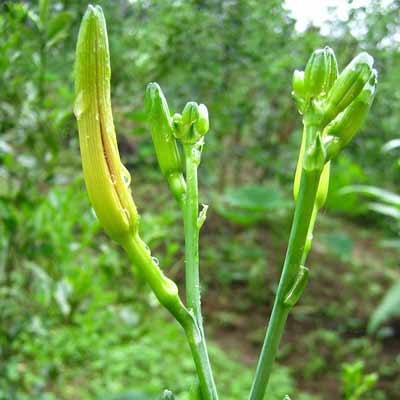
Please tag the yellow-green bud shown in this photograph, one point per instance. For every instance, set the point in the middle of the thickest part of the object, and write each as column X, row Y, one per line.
column 107, row 180
column 193, row 124
column 161, row 127
column 349, row 122
column 348, row 86
column 202, row 124
column 299, row 168
column 315, row 73
column 323, row 186
column 332, row 67
column 298, row 92
column 332, row 146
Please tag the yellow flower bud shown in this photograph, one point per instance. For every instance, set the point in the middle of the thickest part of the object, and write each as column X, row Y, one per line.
column 107, row 180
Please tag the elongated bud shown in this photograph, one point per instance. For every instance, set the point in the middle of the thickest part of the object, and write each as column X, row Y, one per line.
column 333, row 70
column 316, row 72
column 193, row 124
column 107, row 180
column 349, row 122
column 168, row 155
column 348, row 86
column 332, row 146
column 202, row 124
column 323, row 186
column 298, row 92
column 298, row 83
column 299, row 168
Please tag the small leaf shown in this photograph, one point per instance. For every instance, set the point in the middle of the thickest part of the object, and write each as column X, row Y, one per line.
column 375, row 192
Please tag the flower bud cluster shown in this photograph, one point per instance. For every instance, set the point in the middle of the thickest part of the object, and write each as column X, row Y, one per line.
column 337, row 103
column 334, row 107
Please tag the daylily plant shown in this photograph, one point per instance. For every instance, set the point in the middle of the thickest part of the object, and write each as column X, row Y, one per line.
column 334, row 107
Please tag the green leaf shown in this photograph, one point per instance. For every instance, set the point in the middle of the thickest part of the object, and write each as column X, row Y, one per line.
column 384, row 209
column 387, row 309
column 375, row 192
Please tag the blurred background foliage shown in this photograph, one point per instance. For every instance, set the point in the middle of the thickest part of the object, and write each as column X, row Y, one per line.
column 75, row 323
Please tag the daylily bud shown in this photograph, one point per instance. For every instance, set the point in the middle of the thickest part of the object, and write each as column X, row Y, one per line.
column 107, row 180
column 202, row 124
column 333, row 70
column 315, row 73
column 193, row 124
column 299, row 168
column 298, row 83
column 348, row 86
column 323, row 186
column 298, row 92
column 168, row 155
column 348, row 123
column 332, row 146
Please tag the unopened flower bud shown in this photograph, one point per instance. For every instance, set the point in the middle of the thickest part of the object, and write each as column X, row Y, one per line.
column 107, row 180
column 349, row 122
column 315, row 73
column 161, row 127
column 299, row 168
column 348, row 86
column 202, row 124
column 193, row 124
column 298, row 92
column 332, row 67
column 323, row 186
column 332, row 146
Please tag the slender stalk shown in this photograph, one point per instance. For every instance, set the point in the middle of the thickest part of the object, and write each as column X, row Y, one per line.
column 193, row 297
column 141, row 257
column 297, row 240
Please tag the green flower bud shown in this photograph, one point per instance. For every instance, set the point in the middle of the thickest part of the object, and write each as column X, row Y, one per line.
column 298, row 83
column 202, row 124
column 333, row 70
column 349, row 122
column 315, row 73
column 323, row 186
column 299, row 168
column 298, row 92
column 107, row 180
column 332, row 146
column 348, row 86
column 193, row 124
column 161, row 127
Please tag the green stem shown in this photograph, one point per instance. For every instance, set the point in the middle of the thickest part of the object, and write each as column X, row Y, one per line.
column 191, row 227
column 297, row 240
column 167, row 293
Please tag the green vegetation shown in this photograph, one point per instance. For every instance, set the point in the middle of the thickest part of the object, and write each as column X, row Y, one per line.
column 76, row 321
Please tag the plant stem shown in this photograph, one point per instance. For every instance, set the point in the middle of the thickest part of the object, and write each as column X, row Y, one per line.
column 297, row 240
column 191, row 227
column 167, row 294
